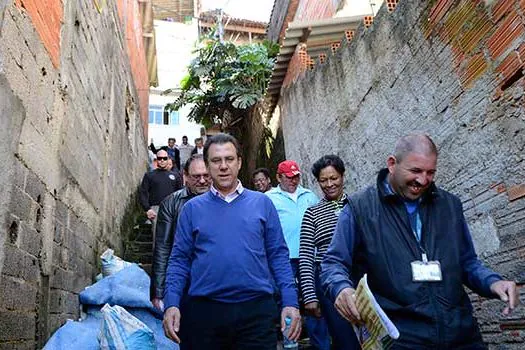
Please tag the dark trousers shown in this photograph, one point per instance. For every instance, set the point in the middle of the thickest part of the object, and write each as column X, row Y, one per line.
column 213, row 325
column 342, row 332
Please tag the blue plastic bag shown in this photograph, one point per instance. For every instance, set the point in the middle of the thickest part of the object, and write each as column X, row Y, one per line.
column 122, row 331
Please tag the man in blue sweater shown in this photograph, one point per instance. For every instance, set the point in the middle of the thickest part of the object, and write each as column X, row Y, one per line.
column 228, row 247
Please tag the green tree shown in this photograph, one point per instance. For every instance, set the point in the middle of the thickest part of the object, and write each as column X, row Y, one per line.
column 225, row 81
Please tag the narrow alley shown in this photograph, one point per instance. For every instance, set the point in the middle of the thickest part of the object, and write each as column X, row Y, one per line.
column 290, row 174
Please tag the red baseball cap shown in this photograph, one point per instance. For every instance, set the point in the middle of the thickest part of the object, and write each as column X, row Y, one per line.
column 288, row 168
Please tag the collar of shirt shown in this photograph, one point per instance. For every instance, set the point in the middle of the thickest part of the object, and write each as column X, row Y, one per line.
column 231, row 196
column 299, row 191
column 411, row 206
column 339, row 202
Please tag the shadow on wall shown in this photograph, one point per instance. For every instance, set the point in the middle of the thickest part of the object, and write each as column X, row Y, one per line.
column 277, row 155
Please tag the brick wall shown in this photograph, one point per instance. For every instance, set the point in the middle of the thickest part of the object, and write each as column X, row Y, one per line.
column 450, row 68
column 305, row 10
column 47, row 21
column 316, row 9
column 73, row 151
column 129, row 12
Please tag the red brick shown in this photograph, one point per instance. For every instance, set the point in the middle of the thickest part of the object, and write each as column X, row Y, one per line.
column 505, row 35
column 501, row 8
column 509, row 66
column 135, row 48
column 368, row 20
column 473, row 69
column 501, row 188
column 315, row 9
column 516, row 192
column 391, row 5
column 474, row 34
column 47, row 19
column 439, row 10
column 455, row 22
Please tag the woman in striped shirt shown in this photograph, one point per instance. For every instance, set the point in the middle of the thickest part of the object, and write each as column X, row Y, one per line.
column 317, row 229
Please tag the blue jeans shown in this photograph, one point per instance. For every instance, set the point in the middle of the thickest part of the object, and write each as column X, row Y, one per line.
column 316, row 327
column 342, row 332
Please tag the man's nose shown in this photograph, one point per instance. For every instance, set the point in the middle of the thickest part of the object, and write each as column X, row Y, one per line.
column 423, row 179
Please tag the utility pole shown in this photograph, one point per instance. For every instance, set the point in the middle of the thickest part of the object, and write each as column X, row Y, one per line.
column 220, row 28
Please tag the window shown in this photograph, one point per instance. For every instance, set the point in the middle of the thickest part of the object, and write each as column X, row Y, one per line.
column 157, row 115
column 174, row 118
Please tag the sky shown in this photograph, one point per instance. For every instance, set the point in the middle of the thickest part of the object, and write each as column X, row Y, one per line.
column 255, row 10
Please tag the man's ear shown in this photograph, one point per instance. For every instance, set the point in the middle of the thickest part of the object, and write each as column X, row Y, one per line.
column 391, row 163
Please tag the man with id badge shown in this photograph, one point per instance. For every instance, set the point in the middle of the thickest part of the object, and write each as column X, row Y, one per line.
column 411, row 239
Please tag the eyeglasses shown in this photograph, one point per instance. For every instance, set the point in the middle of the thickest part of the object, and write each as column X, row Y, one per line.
column 162, row 158
column 197, row 177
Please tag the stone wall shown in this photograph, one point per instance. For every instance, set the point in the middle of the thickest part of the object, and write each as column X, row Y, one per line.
column 73, row 152
column 453, row 69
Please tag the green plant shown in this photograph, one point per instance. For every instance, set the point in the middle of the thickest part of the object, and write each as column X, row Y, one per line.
column 224, row 81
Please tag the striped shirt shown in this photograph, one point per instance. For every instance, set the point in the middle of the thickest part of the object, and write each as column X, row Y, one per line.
column 317, row 229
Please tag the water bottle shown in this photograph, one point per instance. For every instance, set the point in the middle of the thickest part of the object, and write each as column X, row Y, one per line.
column 287, row 343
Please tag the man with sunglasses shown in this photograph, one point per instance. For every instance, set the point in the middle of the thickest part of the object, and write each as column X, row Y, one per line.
column 156, row 185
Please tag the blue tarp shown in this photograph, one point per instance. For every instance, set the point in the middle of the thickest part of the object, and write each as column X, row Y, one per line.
column 128, row 288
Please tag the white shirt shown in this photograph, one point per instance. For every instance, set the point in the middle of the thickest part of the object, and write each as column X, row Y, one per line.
column 231, row 196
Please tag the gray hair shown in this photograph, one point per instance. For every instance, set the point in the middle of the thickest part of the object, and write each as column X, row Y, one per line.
column 416, row 142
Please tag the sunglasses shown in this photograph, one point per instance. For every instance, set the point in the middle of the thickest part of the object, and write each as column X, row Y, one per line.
column 162, row 158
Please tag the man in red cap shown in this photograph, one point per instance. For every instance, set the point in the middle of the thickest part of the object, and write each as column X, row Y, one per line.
column 291, row 201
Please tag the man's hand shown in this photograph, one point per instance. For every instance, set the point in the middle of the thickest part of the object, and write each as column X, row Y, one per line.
column 345, row 305
column 171, row 323
column 507, row 292
column 313, row 308
column 295, row 326
column 159, row 305
column 151, row 214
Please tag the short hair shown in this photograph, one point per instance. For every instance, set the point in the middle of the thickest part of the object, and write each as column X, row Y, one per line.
column 190, row 160
column 171, row 139
column 417, row 142
column 198, row 139
column 184, row 137
column 221, row 139
column 162, row 149
column 326, row 161
column 265, row 172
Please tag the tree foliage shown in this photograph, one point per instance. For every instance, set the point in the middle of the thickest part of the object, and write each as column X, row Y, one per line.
column 225, row 80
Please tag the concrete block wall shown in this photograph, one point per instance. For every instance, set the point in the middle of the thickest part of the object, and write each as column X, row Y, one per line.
column 453, row 69
column 73, row 152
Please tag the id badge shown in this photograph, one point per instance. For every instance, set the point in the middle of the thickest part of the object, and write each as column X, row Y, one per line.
column 429, row 271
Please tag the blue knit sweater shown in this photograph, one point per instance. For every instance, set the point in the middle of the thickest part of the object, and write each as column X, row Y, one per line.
column 230, row 250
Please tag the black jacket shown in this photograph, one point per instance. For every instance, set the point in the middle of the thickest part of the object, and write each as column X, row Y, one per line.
column 157, row 185
column 168, row 214
column 429, row 315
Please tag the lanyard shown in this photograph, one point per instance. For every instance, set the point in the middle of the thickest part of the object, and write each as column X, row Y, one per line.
column 415, row 224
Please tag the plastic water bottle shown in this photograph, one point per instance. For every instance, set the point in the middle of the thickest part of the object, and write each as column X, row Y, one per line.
column 287, row 343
